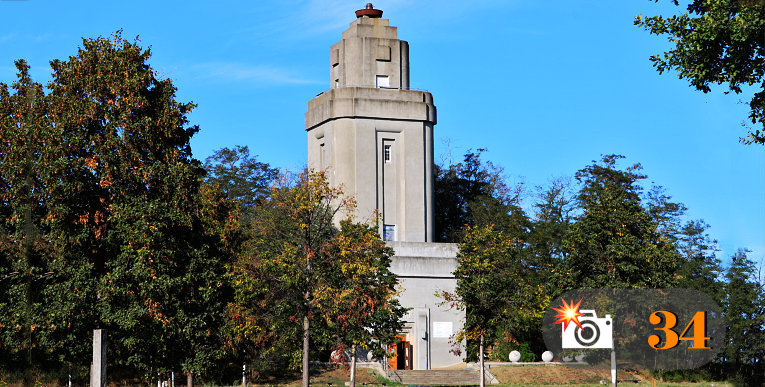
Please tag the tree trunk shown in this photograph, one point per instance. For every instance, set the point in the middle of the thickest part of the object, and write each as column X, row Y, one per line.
column 189, row 380
column 480, row 363
column 305, row 351
column 353, row 366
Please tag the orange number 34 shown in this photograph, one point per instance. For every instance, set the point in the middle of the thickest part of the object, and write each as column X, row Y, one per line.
column 699, row 322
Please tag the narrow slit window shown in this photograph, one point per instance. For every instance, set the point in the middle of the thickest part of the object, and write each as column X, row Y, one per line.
column 386, row 153
column 322, row 156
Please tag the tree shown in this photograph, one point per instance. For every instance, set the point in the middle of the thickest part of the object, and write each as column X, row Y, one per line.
column 700, row 269
column 27, row 338
column 302, row 280
column 717, row 42
column 241, row 177
column 495, row 287
column 665, row 213
column 553, row 219
column 615, row 241
column 129, row 240
column 744, row 309
column 472, row 193
column 159, row 270
column 360, row 307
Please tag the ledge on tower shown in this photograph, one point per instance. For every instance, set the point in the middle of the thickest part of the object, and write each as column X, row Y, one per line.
column 370, row 102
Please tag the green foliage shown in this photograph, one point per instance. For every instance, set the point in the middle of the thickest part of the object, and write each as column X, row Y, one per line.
column 665, row 213
column 553, row 219
column 497, row 288
column 615, row 242
column 500, row 350
column 472, row 193
column 122, row 235
column 744, row 309
column 701, row 269
column 274, row 277
column 608, row 234
column 241, row 177
column 717, row 42
column 29, row 270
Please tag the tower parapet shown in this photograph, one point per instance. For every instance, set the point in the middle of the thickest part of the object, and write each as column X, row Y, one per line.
column 370, row 54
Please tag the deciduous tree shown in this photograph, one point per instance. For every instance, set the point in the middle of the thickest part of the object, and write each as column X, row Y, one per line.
column 717, row 42
column 303, row 280
column 495, row 286
column 29, row 268
column 360, row 305
column 128, row 239
column 700, row 268
column 555, row 210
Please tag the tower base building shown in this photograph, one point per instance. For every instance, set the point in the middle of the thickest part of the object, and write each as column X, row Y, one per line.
column 423, row 270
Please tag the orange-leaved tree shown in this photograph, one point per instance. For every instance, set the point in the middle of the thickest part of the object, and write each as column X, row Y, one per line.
column 359, row 304
column 301, row 279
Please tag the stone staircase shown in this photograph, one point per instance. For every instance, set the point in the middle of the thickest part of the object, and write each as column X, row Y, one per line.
column 459, row 377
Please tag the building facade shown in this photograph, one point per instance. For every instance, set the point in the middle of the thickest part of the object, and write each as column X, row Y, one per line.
column 374, row 137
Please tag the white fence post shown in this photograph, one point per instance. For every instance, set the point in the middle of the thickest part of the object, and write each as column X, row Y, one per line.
column 98, row 367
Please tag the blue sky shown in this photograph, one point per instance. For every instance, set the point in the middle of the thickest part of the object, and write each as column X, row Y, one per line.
column 546, row 87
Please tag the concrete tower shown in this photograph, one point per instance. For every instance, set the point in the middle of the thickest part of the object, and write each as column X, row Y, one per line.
column 372, row 133
column 375, row 138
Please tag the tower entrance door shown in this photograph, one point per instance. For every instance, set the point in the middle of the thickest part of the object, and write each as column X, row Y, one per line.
column 400, row 354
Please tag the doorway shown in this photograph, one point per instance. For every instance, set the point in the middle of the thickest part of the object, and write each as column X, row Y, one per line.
column 400, row 354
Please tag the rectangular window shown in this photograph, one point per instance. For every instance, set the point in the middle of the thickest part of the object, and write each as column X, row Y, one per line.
column 382, row 81
column 386, row 153
column 389, row 232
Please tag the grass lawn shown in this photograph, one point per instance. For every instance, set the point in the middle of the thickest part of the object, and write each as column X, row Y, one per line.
column 578, row 376
column 507, row 375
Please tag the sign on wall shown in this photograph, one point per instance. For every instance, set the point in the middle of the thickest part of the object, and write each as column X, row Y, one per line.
column 442, row 329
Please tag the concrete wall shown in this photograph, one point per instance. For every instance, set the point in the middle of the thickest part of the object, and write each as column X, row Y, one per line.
column 425, row 269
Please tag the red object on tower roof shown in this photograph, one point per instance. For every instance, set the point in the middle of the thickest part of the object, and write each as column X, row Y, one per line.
column 369, row 11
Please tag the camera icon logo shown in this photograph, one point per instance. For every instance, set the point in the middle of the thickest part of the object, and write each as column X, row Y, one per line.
column 591, row 332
